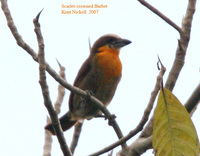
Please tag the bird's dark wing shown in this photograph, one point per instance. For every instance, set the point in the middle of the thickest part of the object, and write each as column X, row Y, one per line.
column 84, row 70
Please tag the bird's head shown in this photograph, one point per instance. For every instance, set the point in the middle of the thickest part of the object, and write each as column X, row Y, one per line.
column 109, row 42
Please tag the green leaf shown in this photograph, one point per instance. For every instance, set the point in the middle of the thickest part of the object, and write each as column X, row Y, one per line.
column 173, row 131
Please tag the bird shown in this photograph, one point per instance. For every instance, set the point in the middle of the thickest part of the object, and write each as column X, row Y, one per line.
column 99, row 75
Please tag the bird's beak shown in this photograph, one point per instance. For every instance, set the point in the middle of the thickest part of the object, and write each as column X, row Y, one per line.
column 121, row 43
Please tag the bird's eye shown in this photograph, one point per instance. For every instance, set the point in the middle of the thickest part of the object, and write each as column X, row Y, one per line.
column 110, row 45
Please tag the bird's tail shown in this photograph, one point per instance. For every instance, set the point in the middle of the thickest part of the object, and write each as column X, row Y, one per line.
column 66, row 123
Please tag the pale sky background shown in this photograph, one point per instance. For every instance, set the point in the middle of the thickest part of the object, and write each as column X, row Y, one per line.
column 23, row 114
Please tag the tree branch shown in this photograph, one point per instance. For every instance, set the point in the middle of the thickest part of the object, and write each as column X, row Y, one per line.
column 194, row 99
column 47, row 141
column 161, row 15
column 182, row 43
column 77, row 131
column 61, row 90
column 14, row 31
column 140, row 146
column 182, row 46
column 57, row 105
column 45, row 90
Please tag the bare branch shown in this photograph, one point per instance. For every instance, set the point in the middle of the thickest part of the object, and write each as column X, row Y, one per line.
column 140, row 146
column 61, row 90
column 47, row 142
column 77, row 131
column 161, row 15
column 182, row 43
column 182, row 46
column 14, row 31
column 45, row 90
column 57, row 105
column 194, row 100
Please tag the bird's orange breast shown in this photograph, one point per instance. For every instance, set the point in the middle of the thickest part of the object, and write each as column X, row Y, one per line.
column 109, row 63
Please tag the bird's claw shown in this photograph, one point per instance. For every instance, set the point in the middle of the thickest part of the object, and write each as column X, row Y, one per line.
column 87, row 97
column 111, row 119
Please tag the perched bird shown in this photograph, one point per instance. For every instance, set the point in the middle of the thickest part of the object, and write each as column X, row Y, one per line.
column 100, row 75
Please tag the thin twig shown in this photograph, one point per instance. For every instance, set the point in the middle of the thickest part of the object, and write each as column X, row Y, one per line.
column 140, row 146
column 14, row 31
column 161, row 15
column 77, row 132
column 45, row 90
column 57, row 105
column 47, row 142
column 61, row 90
column 193, row 100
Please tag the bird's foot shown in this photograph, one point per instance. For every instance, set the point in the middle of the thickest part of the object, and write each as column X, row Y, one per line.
column 87, row 97
column 111, row 119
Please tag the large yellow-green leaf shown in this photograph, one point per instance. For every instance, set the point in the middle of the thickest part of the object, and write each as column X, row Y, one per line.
column 173, row 131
